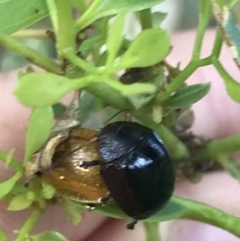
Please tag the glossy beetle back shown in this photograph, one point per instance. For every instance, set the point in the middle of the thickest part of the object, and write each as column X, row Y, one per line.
column 138, row 171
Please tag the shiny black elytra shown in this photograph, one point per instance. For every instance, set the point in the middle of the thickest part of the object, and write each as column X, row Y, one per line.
column 137, row 169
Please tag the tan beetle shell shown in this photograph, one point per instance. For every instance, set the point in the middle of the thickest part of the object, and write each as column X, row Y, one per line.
column 67, row 177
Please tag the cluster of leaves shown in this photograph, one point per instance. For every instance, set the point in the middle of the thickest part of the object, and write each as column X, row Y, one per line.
column 92, row 64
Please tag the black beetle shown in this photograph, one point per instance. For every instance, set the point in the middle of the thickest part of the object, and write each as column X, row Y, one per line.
column 136, row 169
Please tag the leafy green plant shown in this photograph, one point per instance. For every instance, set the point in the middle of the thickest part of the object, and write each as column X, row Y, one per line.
column 151, row 96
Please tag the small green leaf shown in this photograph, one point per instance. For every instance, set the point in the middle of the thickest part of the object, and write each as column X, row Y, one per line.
column 158, row 18
column 88, row 106
column 13, row 163
column 87, row 45
column 48, row 191
column 16, row 15
column 7, row 186
column 230, row 167
column 39, row 129
column 58, row 109
column 19, row 202
column 73, row 210
column 114, row 39
column 3, row 236
column 9, row 158
column 104, row 8
column 49, row 235
column 41, row 89
column 139, row 101
column 148, row 48
column 187, row 96
column 172, row 210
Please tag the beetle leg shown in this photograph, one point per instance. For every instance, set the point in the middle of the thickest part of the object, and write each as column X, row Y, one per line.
column 132, row 224
column 104, row 200
column 91, row 163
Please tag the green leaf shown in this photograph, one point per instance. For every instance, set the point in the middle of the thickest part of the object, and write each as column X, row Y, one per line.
column 58, row 109
column 158, row 18
column 41, row 89
column 39, row 129
column 3, row 236
column 49, row 235
column 230, row 167
column 16, row 15
column 13, row 163
column 187, row 96
column 88, row 106
column 73, row 210
column 148, row 48
column 48, row 191
column 7, row 186
column 102, row 8
column 19, row 202
column 172, row 210
column 114, row 39
column 139, row 101
column 232, row 86
column 88, row 44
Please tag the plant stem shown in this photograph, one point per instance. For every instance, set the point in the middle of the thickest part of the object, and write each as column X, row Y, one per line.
column 145, row 18
column 224, row 146
column 84, row 20
column 71, row 56
column 31, row 34
column 29, row 224
column 182, row 77
column 207, row 214
column 152, row 232
column 177, row 82
column 61, row 14
column 217, row 45
column 204, row 16
column 31, row 55
column 13, row 163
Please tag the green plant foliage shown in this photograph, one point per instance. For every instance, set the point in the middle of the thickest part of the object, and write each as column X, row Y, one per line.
column 230, row 167
column 158, row 18
column 39, row 129
column 33, row 87
column 148, row 48
column 170, row 211
column 88, row 106
column 7, row 186
column 88, row 44
column 48, row 191
column 19, row 202
column 114, row 39
column 49, row 235
column 58, row 109
column 187, row 96
column 102, row 8
column 3, row 235
column 15, row 15
column 73, row 210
